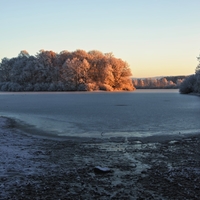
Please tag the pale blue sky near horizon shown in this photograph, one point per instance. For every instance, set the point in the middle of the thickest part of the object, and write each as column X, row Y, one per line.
column 155, row 37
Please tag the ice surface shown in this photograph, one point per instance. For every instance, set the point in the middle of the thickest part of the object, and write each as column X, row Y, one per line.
column 143, row 113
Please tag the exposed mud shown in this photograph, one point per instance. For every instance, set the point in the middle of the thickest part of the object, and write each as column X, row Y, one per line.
column 36, row 168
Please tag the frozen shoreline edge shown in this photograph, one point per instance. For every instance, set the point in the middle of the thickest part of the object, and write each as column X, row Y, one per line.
column 12, row 123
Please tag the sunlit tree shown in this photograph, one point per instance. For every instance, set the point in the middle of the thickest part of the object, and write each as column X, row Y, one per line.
column 23, row 53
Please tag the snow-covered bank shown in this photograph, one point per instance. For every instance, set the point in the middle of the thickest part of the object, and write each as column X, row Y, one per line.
column 36, row 168
column 20, row 157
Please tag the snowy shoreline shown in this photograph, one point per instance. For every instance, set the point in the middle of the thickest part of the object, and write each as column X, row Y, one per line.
column 36, row 168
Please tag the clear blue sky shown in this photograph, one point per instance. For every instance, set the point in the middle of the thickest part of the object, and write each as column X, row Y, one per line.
column 156, row 37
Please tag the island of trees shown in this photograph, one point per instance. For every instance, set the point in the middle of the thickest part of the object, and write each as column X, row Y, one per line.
column 192, row 83
column 65, row 71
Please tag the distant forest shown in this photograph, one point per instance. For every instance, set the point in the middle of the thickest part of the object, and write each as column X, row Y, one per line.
column 169, row 82
column 65, row 71
column 192, row 83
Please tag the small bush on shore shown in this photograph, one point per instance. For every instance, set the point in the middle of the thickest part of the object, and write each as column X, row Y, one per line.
column 192, row 83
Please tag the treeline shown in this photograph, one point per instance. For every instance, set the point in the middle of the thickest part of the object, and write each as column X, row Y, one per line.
column 169, row 82
column 192, row 83
column 65, row 71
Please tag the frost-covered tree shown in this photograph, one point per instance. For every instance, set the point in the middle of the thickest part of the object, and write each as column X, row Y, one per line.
column 121, row 73
column 81, row 55
column 179, row 81
column 95, row 54
column 197, row 71
column 48, row 65
column 74, row 73
column 62, row 57
column 187, row 86
column 163, row 82
column 5, row 67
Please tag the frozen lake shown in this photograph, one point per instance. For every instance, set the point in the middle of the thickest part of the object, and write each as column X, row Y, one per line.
column 139, row 113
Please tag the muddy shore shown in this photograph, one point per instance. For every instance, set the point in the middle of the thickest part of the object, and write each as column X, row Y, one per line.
column 46, row 168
